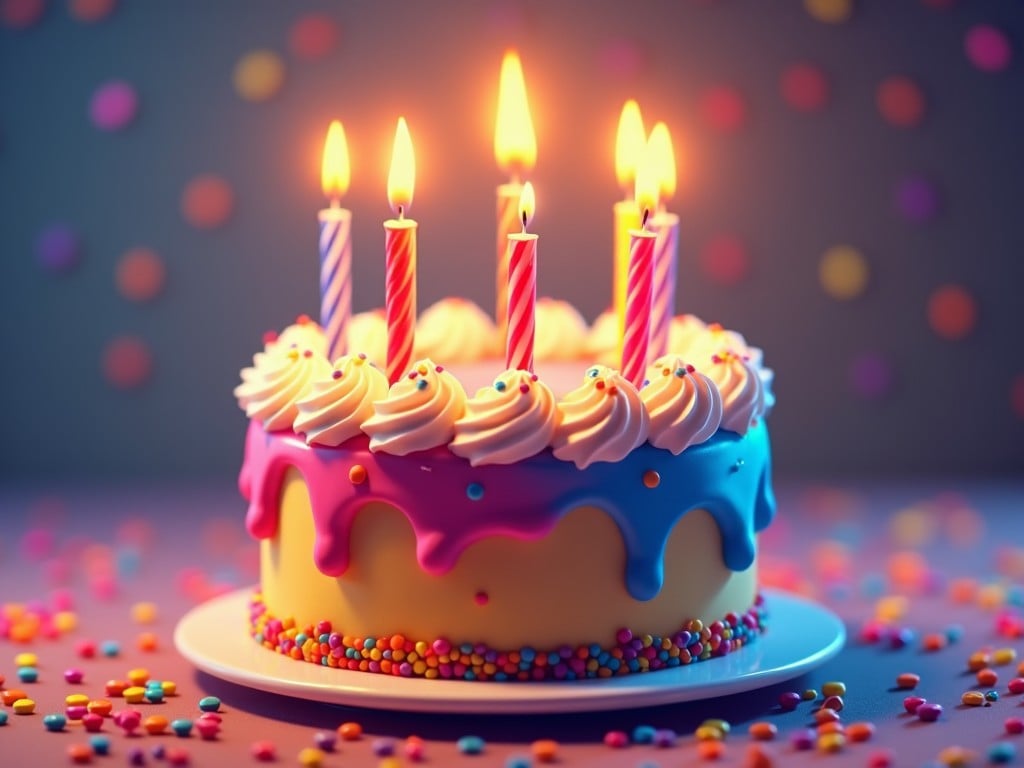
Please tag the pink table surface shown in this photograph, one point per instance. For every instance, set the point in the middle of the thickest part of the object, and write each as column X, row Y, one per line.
column 108, row 548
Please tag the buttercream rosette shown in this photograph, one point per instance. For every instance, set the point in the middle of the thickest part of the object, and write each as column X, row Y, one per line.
column 507, row 422
column 742, row 390
column 419, row 412
column 455, row 331
column 271, row 389
column 337, row 406
column 603, row 420
column 684, row 405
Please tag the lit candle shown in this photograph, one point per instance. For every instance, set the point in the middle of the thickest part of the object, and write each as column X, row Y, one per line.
column 515, row 149
column 400, row 252
column 636, row 342
column 335, row 244
column 522, row 287
column 630, row 145
column 665, row 226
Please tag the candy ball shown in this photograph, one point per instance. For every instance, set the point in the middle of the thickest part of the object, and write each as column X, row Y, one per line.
column 264, row 751
column 209, row 704
column 470, row 745
column 54, row 722
column 181, row 727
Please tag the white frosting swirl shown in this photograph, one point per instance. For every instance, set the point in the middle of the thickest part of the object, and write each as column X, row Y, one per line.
column 338, row 405
column 742, row 391
column 271, row 389
column 368, row 334
column 507, row 422
column 604, row 341
column 684, row 404
column 456, row 331
column 561, row 331
column 603, row 420
column 419, row 412
column 303, row 334
column 698, row 342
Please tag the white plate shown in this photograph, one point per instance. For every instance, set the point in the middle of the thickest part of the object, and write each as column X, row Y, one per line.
column 801, row 635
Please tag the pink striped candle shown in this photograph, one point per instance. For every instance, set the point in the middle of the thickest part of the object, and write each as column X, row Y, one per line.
column 400, row 252
column 663, row 304
column 522, row 287
column 636, row 343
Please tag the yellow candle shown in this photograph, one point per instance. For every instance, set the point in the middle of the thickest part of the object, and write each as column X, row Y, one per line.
column 630, row 145
column 515, row 149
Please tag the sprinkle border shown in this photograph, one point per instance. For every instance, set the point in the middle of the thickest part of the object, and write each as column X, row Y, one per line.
column 440, row 659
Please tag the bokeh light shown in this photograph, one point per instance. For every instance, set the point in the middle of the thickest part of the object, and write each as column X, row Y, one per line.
column 952, row 312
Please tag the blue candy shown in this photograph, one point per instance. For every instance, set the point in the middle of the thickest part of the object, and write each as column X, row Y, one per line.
column 470, row 745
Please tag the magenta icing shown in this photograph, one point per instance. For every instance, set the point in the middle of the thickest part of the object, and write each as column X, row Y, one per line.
column 729, row 475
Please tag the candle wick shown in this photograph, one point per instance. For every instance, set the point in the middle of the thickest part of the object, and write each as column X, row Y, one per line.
column 647, row 213
column 401, row 212
column 524, row 222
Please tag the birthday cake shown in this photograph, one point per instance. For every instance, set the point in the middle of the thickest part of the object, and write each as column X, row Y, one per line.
column 553, row 525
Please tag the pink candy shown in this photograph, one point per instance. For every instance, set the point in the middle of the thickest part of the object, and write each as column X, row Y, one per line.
column 76, row 712
column 929, row 712
column 92, row 722
column 1016, row 685
column 128, row 720
column 73, row 676
column 911, row 703
column 264, row 751
column 616, row 739
column 208, row 728
column 1014, row 725
column 85, row 649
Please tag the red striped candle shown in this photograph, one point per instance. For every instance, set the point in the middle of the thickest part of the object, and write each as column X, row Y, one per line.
column 400, row 252
column 522, row 288
column 636, row 343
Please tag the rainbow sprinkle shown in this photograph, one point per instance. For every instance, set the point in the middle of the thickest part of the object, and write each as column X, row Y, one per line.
column 404, row 657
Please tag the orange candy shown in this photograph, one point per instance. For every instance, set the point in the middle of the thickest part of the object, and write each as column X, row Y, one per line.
column 860, row 731
column 12, row 695
column 710, row 750
column 80, row 753
column 147, row 642
column 934, row 642
column 350, row 731
column 155, row 724
column 987, row 677
column 763, row 731
column 115, row 688
column 101, row 707
column 545, row 750
column 978, row 660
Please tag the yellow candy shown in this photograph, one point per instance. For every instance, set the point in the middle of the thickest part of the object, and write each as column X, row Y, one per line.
column 708, row 733
column 138, row 676
column 722, row 725
column 956, row 757
column 311, row 757
column 65, row 621
column 973, row 699
column 170, row 688
column 1004, row 656
column 831, row 742
column 891, row 608
column 833, row 689
column 76, row 700
column 144, row 613
column 991, row 596
column 26, row 660
column 24, row 707
column 134, row 694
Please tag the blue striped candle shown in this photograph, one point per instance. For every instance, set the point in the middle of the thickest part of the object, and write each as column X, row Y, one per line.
column 335, row 278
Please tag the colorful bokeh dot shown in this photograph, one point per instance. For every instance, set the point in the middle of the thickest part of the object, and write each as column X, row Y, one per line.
column 57, row 249
column 1017, row 396
column 952, row 312
column 871, row 376
column 987, row 48
column 804, row 87
column 207, row 201
column 140, row 275
column 313, row 36
column 843, row 272
column 724, row 259
column 829, row 11
column 113, row 106
column 90, row 11
column 259, row 75
column 917, row 199
column 21, row 14
column 900, row 101
column 127, row 362
column 723, row 108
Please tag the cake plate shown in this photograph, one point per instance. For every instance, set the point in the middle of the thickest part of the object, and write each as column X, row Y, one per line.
column 801, row 636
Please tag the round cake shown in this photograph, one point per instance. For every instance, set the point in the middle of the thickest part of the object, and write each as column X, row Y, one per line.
column 557, row 524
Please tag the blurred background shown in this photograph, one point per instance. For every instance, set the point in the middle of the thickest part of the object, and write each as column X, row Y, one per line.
column 851, row 178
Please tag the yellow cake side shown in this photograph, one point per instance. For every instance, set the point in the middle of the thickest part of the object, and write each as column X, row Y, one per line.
column 567, row 588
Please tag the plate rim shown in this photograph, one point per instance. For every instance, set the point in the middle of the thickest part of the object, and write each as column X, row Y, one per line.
column 375, row 691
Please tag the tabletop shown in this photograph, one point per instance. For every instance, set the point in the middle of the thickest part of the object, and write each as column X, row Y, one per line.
column 928, row 578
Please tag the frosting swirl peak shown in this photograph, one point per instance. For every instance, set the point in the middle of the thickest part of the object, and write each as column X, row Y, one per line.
column 742, row 390
column 338, row 405
column 603, row 420
column 507, row 422
column 419, row 411
column 684, row 404
column 279, row 378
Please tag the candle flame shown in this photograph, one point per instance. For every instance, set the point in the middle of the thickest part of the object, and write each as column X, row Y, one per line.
column 402, row 175
column 335, row 170
column 527, row 204
column 664, row 160
column 630, row 143
column 515, row 144
column 647, row 182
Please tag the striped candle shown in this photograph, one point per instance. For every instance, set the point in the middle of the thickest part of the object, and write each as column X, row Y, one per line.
column 522, row 286
column 663, row 304
column 508, row 223
column 335, row 278
column 636, row 343
column 400, row 254
column 400, row 294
